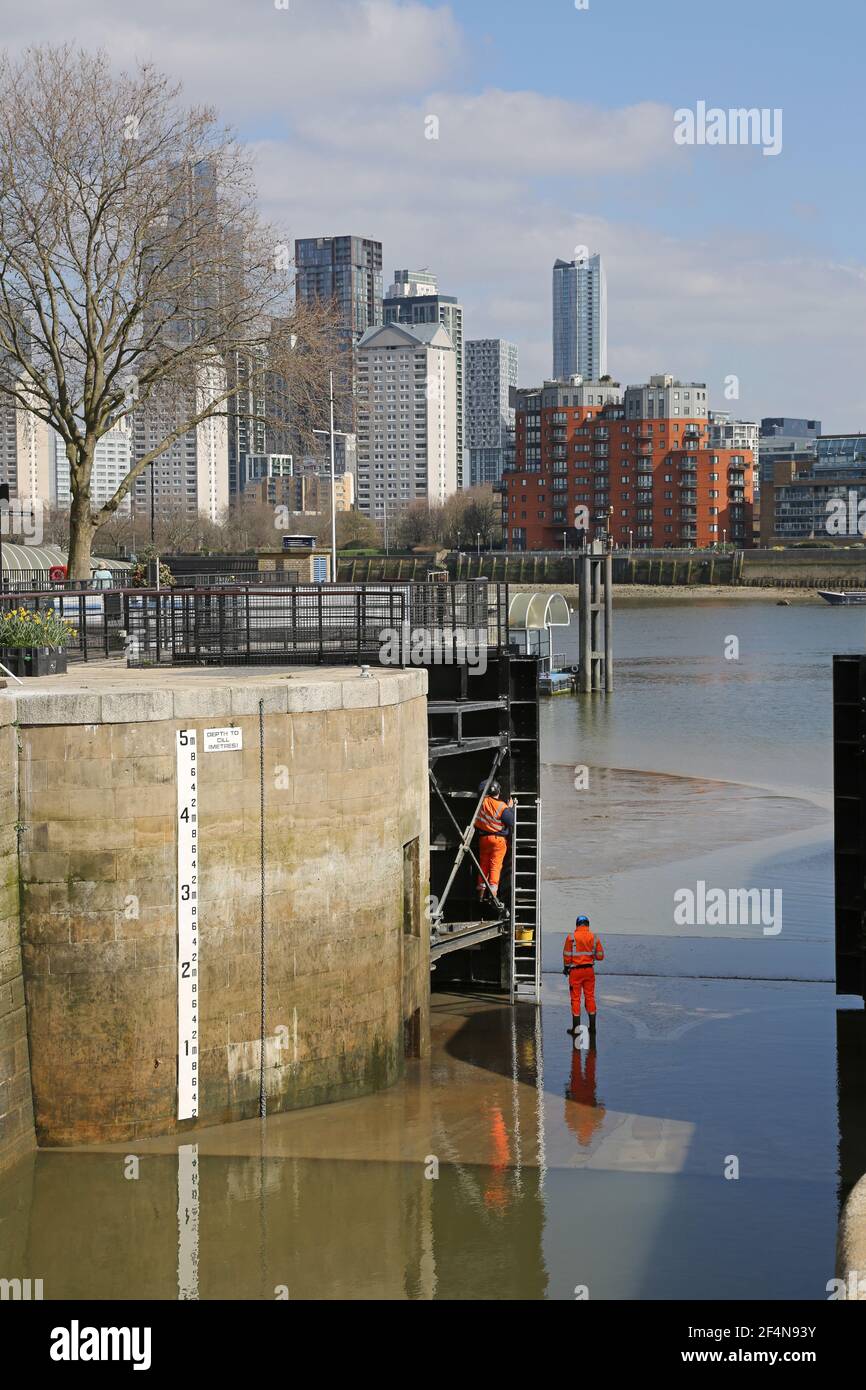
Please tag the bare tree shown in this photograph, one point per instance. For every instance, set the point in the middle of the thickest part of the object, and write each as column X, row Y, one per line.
column 135, row 271
column 416, row 524
column 357, row 529
column 55, row 526
column 470, row 514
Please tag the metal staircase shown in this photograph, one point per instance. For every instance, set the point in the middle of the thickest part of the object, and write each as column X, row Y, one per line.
column 525, row 896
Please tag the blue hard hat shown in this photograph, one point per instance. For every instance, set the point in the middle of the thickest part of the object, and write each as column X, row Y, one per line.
column 581, row 922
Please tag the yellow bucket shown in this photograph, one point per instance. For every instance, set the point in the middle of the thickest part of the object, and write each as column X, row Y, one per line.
column 524, row 935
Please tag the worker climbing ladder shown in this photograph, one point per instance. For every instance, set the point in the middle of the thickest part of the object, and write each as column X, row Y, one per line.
column 526, row 887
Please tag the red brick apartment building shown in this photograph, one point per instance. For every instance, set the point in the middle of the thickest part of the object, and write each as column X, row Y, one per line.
column 639, row 463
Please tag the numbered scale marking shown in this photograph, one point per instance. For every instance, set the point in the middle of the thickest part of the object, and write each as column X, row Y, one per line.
column 187, row 926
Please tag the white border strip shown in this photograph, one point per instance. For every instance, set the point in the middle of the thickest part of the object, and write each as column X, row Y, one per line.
column 187, row 926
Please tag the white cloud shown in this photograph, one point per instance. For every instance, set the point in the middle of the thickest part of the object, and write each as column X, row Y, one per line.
column 342, row 88
column 252, row 59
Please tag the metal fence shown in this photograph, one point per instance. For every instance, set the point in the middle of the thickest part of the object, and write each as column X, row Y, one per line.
column 40, row 581
column 307, row 624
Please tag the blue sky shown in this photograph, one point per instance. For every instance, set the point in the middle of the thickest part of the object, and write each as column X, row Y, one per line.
column 806, row 58
column 556, row 130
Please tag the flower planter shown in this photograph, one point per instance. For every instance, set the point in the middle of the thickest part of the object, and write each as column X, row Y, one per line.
column 33, row 661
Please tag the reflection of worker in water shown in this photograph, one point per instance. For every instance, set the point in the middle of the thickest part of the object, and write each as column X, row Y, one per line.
column 586, row 1116
column 494, row 823
column 582, row 949
column 496, row 1190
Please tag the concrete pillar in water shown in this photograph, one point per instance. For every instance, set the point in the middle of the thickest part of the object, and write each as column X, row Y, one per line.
column 584, row 677
column 595, row 626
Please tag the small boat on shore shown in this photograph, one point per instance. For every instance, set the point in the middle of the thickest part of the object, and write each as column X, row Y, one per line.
column 844, row 596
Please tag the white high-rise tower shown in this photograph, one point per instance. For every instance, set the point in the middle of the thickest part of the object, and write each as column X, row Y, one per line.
column 579, row 319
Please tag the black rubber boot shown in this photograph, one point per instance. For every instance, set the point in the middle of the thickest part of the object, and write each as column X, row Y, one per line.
column 575, row 1024
column 592, row 1025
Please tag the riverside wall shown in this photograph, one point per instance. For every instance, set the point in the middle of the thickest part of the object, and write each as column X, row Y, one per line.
column 16, row 1103
column 343, row 771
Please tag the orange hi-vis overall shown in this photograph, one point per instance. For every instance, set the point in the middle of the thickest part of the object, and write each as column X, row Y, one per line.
column 582, row 949
column 492, row 842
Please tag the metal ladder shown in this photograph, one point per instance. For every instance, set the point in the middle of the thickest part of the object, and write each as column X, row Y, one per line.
column 525, row 896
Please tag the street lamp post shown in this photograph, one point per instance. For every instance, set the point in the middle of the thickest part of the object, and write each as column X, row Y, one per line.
column 478, row 543
column 333, row 486
column 331, row 433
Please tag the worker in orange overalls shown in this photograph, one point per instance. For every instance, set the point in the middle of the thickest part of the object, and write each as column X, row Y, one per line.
column 494, row 823
column 582, row 949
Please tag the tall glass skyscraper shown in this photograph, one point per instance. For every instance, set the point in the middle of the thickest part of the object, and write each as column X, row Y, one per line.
column 491, row 378
column 347, row 269
column 579, row 319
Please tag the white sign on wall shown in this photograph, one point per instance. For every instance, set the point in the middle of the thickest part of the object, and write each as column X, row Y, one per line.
column 223, row 740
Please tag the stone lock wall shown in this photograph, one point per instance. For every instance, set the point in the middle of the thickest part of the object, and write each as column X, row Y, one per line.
column 345, row 784
column 16, row 1106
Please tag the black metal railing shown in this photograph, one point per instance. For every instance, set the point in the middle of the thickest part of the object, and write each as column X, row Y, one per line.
column 308, row 624
column 99, row 619
column 40, row 581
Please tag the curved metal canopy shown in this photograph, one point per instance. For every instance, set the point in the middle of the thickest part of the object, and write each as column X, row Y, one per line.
column 41, row 557
column 538, row 611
